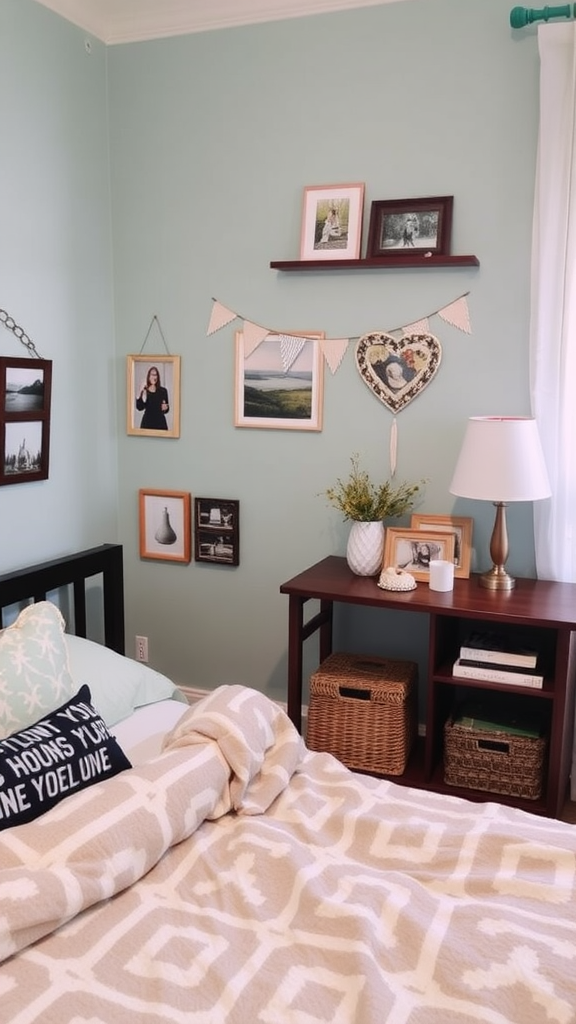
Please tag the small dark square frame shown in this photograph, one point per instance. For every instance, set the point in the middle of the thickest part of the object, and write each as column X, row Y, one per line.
column 25, row 390
column 217, row 531
column 410, row 227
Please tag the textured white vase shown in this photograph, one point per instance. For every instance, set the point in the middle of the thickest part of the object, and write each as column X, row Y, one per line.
column 365, row 548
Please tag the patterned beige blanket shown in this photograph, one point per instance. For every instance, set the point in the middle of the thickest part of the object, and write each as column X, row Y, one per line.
column 238, row 878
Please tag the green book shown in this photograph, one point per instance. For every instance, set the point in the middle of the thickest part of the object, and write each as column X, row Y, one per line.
column 504, row 718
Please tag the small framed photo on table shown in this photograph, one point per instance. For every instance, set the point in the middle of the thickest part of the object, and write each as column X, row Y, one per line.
column 413, row 550
column 460, row 526
column 332, row 222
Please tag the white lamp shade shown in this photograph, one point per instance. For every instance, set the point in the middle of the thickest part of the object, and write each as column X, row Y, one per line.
column 501, row 459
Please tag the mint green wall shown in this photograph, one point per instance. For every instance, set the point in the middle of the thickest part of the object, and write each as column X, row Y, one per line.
column 211, row 139
column 56, row 275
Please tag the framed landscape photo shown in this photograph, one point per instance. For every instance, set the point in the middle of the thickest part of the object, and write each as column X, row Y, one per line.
column 332, row 222
column 217, row 530
column 460, row 526
column 410, row 227
column 413, row 550
column 267, row 395
column 26, row 387
column 164, row 520
column 153, row 396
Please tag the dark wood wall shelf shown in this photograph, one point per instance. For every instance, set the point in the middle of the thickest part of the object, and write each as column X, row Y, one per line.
column 377, row 263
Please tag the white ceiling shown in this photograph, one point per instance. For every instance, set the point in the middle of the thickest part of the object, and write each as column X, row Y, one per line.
column 126, row 21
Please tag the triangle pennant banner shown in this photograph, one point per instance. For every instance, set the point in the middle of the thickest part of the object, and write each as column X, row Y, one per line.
column 253, row 335
column 456, row 313
column 290, row 349
column 334, row 350
column 219, row 317
column 418, row 327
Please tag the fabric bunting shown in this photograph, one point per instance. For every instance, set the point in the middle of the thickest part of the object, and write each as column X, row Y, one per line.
column 220, row 317
column 456, row 314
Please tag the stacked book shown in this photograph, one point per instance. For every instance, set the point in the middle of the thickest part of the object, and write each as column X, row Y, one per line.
column 496, row 659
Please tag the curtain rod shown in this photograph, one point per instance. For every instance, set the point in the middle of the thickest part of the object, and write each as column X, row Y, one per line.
column 521, row 16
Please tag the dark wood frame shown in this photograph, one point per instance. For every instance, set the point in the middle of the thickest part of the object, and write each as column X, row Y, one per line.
column 382, row 209
column 39, row 417
column 206, row 531
column 79, row 571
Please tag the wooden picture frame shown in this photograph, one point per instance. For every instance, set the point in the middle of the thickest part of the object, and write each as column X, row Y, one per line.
column 217, row 530
column 154, row 417
column 332, row 222
column 412, row 550
column 267, row 396
column 460, row 526
column 26, row 387
column 164, row 521
column 410, row 227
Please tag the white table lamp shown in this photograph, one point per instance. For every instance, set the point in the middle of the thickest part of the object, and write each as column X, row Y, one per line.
column 501, row 460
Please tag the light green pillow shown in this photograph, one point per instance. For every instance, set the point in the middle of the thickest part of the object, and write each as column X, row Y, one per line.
column 34, row 676
column 118, row 684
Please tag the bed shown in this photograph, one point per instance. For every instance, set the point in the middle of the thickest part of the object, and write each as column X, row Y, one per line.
column 221, row 873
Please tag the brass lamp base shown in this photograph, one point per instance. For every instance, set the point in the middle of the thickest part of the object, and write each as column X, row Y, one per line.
column 497, row 578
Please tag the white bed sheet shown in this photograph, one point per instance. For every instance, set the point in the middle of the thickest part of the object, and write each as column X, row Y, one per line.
column 140, row 735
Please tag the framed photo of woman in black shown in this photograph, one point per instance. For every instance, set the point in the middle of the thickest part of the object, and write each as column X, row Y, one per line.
column 153, row 396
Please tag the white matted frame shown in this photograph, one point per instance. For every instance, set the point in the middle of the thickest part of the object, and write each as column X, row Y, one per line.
column 460, row 526
column 413, row 550
column 332, row 222
column 165, row 529
column 267, row 396
column 155, row 413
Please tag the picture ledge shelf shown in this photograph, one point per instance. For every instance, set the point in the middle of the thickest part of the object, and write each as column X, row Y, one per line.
column 377, row 263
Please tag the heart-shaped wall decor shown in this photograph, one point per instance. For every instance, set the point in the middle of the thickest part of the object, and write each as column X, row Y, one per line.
column 397, row 369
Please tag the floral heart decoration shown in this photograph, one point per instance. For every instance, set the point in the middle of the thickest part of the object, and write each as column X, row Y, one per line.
column 397, row 369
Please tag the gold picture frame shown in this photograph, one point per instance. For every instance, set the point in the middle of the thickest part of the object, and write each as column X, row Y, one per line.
column 157, row 416
column 165, row 528
column 461, row 527
column 262, row 387
column 413, row 550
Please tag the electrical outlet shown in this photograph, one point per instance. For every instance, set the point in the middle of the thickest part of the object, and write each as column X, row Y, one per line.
column 142, row 648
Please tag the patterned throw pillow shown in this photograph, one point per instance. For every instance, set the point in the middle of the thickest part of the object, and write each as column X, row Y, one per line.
column 34, row 676
column 62, row 753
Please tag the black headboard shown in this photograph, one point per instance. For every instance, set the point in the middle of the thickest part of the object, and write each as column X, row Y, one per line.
column 36, row 581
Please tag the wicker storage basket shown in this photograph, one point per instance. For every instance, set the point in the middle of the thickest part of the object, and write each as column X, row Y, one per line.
column 362, row 709
column 498, row 762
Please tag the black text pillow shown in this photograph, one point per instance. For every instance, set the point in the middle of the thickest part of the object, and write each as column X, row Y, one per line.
column 62, row 753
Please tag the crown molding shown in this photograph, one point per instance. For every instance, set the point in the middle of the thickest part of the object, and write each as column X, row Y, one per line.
column 129, row 21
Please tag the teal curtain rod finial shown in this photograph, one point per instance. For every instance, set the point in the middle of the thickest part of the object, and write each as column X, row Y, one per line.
column 522, row 16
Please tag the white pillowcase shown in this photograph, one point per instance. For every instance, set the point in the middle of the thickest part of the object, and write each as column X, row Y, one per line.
column 118, row 684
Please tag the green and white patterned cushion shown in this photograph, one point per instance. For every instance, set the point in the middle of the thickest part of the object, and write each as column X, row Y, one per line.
column 34, row 675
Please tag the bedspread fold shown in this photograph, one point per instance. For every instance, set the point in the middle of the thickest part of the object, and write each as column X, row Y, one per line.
column 98, row 842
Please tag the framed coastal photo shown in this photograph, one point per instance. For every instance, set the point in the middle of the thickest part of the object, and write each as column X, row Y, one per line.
column 413, row 550
column 332, row 222
column 460, row 526
column 217, row 530
column 26, row 387
column 164, row 521
column 153, row 396
column 410, row 227
column 267, row 395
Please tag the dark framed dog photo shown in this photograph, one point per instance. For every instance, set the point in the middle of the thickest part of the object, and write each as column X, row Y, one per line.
column 217, row 530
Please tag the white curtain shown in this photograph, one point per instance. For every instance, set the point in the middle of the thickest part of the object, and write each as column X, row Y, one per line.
column 553, row 305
